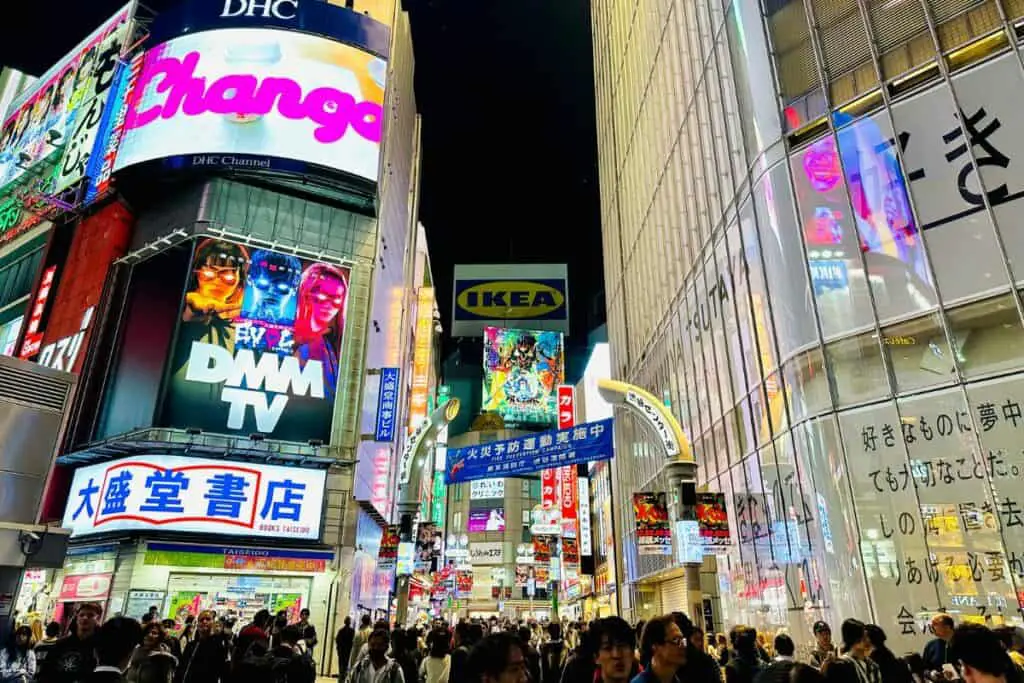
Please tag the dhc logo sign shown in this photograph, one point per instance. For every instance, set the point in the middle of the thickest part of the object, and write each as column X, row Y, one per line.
column 509, row 299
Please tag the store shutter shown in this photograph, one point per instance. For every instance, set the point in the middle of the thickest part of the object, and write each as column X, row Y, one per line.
column 673, row 595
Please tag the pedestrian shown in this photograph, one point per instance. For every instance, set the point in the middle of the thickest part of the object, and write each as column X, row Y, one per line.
column 308, row 631
column 115, row 641
column 853, row 665
column 530, row 653
column 981, row 656
column 614, row 645
column 401, row 652
column 343, row 644
column 360, row 639
column 437, row 665
column 892, row 668
column 17, row 659
column 289, row 659
column 780, row 668
column 43, row 647
column 73, row 658
column 745, row 663
column 153, row 640
column 663, row 651
column 553, row 655
column 205, row 658
column 376, row 666
column 936, row 652
column 497, row 658
column 824, row 651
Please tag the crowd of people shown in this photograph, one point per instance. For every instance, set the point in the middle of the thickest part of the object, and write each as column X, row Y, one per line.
column 667, row 649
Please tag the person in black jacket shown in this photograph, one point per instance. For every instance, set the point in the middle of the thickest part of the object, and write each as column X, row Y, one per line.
column 73, row 658
column 307, row 630
column 115, row 642
column 553, row 655
column 782, row 666
column 893, row 669
column 744, row 664
column 343, row 642
column 205, row 658
column 700, row 667
column 530, row 653
column 854, row 665
column 936, row 652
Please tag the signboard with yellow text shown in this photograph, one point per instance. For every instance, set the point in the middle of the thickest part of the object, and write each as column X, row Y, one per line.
column 534, row 296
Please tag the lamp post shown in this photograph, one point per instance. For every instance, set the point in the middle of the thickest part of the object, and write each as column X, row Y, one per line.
column 410, row 479
column 680, row 465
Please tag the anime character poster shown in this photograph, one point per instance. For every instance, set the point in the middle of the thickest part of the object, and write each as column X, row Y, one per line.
column 653, row 533
column 522, row 371
column 258, row 344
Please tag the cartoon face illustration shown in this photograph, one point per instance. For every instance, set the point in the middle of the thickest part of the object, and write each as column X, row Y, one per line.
column 322, row 296
column 219, row 267
column 271, row 286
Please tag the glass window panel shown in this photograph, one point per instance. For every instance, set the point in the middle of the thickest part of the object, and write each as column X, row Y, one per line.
column 956, row 505
column 742, row 339
column 943, row 187
column 760, row 318
column 807, row 385
column 919, row 353
column 888, row 235
column 988, row 335
column 837, row 273
column 834, row 575
column 759, row 410
column 723, row 322
column 857, row 370
column 779, row 237
column 885, row 497
column 712, row 336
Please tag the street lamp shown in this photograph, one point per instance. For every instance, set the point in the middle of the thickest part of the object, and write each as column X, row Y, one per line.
column 410, row 478
column 680, row 465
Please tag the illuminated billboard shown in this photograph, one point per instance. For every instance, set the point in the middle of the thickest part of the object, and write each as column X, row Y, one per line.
column 522, row 371
column 486, row 520
column 243, row 97
column 258, row 344
column 163, row 492
column 530, row 295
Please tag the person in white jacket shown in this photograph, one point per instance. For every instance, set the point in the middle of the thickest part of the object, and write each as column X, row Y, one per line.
column 17, row 660
column 437, row 665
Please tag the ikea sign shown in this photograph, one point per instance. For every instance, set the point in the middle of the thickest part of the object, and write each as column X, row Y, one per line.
column 487, row 295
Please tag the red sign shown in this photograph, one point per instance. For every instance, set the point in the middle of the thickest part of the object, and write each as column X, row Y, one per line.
column 33, row 337
column 82, row 587
column 548, row 490
column 568, row 483
column 566, row 406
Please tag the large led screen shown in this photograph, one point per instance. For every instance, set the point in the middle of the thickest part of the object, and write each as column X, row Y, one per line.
column 234, row 96
column 258, row 344
column 522, row 371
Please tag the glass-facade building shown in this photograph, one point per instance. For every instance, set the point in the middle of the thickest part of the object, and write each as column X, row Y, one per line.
column 813, row 250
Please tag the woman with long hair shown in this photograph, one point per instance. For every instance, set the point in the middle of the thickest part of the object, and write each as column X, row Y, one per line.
column 153, row 641
column 320, row 318
column 17, row 660
column 894, row 669
column 437, row 665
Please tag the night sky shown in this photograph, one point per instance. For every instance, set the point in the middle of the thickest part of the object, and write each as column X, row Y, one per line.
column 505, row 88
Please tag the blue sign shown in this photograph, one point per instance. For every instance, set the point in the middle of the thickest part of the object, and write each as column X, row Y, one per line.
column 583, row 443
column 387, row 402
column 828, row 274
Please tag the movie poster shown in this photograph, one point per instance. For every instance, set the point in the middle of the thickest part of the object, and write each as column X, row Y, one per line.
column 428, row 546
column 653, row 533
column 258, row 344
column 387, row 555
column 713, row 518
column 522, row 371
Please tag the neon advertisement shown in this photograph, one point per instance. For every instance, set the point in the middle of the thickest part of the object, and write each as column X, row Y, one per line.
column 522, row 371
column 260, row 92
column 43, row 119
column 486, row 520
column 158, row 492
column 258, row 344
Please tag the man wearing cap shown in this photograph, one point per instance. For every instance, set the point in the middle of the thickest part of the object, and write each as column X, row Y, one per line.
column 73, row 658
column 824, row 650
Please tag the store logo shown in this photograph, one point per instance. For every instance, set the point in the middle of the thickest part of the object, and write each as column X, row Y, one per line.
column 262, row 8
column 212, row 364
column 245, row 95
column 511, row 299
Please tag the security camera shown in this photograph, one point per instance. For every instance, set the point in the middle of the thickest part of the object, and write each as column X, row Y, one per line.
column 33, row 536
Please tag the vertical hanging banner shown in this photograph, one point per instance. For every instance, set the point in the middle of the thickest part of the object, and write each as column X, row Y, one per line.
column 548, row 492
column 566, row 406
column 387, row 557
column 653, row 533
column 387, row 404
column 422, row 338
column 566, row 477
column 583, row 493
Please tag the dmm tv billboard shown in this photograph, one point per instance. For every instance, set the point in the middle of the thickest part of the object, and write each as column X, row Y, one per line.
column 534, row 296
column 258, row 344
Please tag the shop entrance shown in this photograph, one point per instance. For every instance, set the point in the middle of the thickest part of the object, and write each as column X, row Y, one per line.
column 235, row 596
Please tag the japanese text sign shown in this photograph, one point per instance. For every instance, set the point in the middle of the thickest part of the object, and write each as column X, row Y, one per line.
column 487, row 488
column 653, row 533
column 387, row 405
column 173, row 493
column 566, row 406
column 523, row 455
column 423, row 337
column 492, row 552
column 548, row 489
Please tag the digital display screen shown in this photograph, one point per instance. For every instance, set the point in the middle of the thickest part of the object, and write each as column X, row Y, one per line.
column 258, row 344
column 228, row 97
column 486, row 520
column 522, row 371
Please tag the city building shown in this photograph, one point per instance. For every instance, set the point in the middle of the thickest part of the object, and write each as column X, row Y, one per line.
column 226, row 268
column 811, row 251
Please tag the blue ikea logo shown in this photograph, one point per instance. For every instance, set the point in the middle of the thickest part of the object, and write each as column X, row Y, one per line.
column 518, row 299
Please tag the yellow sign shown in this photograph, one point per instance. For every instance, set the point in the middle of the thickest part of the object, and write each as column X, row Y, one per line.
column 510, row 299
column 422, row 337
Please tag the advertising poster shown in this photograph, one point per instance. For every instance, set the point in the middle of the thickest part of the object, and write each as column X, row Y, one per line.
column 186, row 494
column 653, row 533
column 463, row 583
column 713, row 519
column 184, row 604
column 522, row 575
column 254, row 94
column 428, row 546
column 522, row 371
column 486, row 520
column 542, row 549
column 258, row 344
column 387, row 557
column 570, row 552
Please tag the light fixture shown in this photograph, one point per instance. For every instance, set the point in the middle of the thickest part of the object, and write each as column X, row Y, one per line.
column 257, row 437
